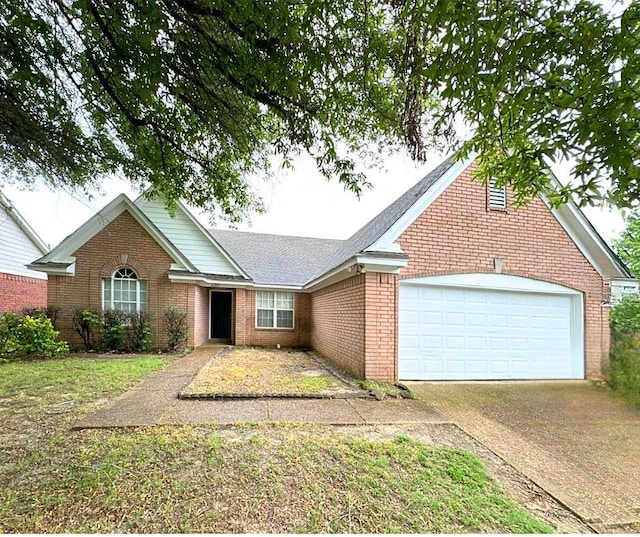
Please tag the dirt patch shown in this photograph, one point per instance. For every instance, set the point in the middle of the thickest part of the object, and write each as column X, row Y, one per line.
column 254, row 372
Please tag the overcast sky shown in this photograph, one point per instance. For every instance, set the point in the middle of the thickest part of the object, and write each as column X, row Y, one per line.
column 298, row 202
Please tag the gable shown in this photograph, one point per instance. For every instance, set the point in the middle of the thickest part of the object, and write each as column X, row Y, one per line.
column 122, row 242
column 61, row 259
column 19, row 245
column 458, row 232
column 575, row 225
column 186, row 233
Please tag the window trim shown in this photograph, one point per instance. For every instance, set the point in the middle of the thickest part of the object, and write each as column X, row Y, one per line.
column 495, row 191
column 111, row 305
column 275, row 311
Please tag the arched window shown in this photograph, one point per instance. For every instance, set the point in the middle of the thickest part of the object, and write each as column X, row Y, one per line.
column 124, row 291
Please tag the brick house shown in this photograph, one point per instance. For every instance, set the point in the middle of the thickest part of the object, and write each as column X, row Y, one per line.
column 448, row 282
column 20, row 287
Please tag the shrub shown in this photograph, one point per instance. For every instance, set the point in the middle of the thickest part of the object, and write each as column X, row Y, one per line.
column 138, row 331
column 50, row 312
column 624, row 317
column 177, row 329
column 87, row 323
column 624, row 366
column 24, row 336
column 113, row 330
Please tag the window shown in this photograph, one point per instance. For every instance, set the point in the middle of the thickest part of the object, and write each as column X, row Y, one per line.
column 496, row 196
column 124, row 291
column 274, row 309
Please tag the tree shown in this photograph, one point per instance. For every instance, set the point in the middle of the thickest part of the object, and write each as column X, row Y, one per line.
column 192, row 96
column 627, row 246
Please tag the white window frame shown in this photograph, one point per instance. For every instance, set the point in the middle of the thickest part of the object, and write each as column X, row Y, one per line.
column 275, row 310
column 496, row 196
column 111, row 303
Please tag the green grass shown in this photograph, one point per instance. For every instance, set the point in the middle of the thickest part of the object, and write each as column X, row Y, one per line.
column 37, row 384
column 244, row 479
column 269, row 479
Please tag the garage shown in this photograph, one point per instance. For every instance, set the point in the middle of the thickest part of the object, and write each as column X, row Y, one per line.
column 489, row 327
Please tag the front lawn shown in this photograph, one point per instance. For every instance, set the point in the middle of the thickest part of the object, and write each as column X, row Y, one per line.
column 35, row 385
column 211, row 479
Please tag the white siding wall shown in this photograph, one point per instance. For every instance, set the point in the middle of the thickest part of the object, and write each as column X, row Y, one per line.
column 188, row 238
column 16, row 248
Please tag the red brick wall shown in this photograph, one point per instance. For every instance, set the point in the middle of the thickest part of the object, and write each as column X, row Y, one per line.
column 239, row 319
column 201, row 316
column 381, row 327
column 246, row 332
column 19, row 292
column 121, row 243
column 338, row 323
column 458, row 234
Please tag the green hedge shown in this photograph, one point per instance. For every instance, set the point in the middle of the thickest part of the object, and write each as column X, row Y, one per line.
column 624, row 365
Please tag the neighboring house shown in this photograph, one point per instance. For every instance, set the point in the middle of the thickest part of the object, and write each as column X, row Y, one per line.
column 20, row 287
column 448, row 282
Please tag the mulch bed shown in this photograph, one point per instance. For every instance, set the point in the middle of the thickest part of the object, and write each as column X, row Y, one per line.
column 250, row 372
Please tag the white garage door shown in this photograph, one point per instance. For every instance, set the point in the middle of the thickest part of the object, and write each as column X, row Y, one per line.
column 457, row 328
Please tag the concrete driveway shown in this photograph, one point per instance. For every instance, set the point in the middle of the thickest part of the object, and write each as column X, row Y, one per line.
column 574, row 439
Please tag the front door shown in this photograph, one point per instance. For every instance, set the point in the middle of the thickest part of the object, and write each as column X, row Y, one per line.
column 221, row 315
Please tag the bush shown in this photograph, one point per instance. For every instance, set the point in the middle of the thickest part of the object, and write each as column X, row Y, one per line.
column 138, row 331
column 50, row 312
column 24, row 336
column 113, row 330
column 87, row 324
column 177, row 329
column 624, row 317
column 624, row 366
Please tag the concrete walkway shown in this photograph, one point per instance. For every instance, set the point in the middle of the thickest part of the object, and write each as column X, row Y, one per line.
column 575, row 440
column 155, row 402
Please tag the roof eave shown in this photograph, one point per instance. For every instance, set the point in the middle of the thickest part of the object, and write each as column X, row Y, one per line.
column 586, row 237
column 386, row 241
column 23, row 224
column 100, row 220
column 54, row 269
column 381, row 262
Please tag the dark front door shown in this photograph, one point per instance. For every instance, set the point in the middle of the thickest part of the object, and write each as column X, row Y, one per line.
column 221, row 314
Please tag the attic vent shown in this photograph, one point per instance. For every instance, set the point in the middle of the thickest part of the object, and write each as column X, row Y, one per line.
column 496, row 196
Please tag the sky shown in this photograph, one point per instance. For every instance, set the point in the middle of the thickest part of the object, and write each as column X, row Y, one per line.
column 298, row 202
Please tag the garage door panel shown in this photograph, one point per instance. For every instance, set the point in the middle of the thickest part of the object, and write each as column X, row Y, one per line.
column 460, row 335
column 477, row 343
column 498, row 343
column 452, row 295
column 432, row 317
column 431, row 342
column 454, row 319
column 456, row 367
column 476, row 366
column 519, row 367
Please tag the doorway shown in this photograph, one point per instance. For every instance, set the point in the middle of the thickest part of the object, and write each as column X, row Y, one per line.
column 221, row 315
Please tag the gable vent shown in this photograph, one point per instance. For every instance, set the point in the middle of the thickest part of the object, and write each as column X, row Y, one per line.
column 496, row 195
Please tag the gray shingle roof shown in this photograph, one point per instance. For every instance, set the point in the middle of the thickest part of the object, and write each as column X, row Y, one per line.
column 375, row 228
column 276, row 259
column 295, row 261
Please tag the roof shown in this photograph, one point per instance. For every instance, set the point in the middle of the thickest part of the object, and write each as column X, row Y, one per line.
column 268, row 260
column 60, row 260
column 278, row 260
column 23, row 224
column 380, row 224
column 296, row 261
